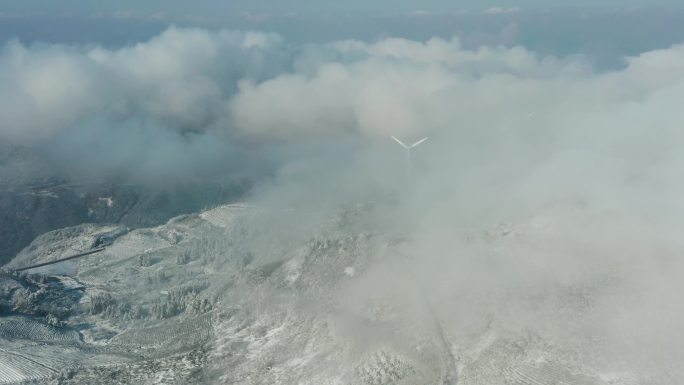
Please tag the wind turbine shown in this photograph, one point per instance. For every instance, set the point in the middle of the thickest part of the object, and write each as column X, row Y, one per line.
column 408, row 151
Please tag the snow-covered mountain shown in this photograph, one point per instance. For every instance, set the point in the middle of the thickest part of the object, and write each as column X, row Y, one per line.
column 35, row 197
column 248, row 295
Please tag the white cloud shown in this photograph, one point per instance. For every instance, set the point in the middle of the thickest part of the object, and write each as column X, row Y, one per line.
column 593, row 175
column 255, row 86
column 180, row 78
column 501, row 10
column 392, row 86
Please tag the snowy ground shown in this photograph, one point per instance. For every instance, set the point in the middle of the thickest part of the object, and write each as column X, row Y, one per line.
column 222, row 297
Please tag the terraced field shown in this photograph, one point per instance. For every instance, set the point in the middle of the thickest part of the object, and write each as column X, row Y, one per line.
column 192, row 332
column 21, row 328
column 547, row 374
column 16, row 368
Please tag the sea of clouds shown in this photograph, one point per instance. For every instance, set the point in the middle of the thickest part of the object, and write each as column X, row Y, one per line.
column 586, row 164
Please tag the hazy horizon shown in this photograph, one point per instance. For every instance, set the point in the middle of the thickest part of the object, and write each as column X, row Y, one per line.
column 604, row 33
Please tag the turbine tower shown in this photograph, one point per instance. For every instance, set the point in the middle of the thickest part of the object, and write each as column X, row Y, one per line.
column 408, row 151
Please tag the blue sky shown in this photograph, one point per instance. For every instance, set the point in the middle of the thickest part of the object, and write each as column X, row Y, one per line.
column 603, row 30
column 213, row 6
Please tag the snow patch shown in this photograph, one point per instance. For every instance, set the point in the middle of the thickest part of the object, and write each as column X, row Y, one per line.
column 107, row 201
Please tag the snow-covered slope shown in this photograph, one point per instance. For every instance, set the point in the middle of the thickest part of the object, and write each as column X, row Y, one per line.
column 244, row 295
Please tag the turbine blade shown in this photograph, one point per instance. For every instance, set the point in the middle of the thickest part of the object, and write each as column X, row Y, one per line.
column 418, row 142
column 400, row 142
